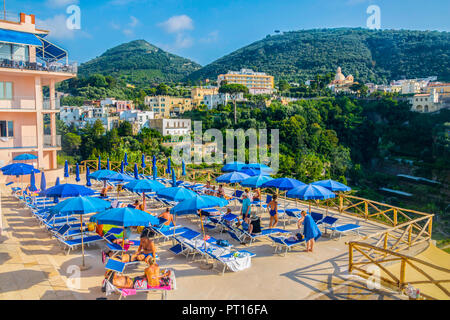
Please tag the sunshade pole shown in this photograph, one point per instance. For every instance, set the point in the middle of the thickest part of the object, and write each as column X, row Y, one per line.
column 82, row 241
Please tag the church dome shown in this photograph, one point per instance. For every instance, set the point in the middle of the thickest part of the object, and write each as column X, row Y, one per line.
column 339, row 75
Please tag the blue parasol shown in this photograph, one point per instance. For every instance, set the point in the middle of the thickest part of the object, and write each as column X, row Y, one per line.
column 232, row 177
column 136, row 173
column 176, row 194
column 125, row 217
column 77, row 173
column 43, row 182
column 233, row 166
column 66, row 169
column 25, row 156
column 88, row 177
column 332, row 185
column 256, row 181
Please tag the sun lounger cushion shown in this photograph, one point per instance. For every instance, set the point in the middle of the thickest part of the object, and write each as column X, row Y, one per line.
column 345, row 228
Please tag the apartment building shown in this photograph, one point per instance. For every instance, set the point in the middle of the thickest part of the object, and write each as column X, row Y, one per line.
column 172, row 127
column 198, row 93
column 214, row 100
column 254, row 81
column 28, row 64
column 168, row 106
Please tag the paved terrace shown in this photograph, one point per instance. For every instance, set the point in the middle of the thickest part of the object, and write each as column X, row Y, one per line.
column 33, row 266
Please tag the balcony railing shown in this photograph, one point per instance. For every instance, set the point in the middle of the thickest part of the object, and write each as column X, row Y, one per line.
column 37, row 66
column 52, row 141
column 51, row 104
column 29, row 103
column 18, row 143
column 19, row 103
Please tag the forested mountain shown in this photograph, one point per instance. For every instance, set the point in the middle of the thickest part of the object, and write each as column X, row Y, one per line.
column 139, row 63
column 369, row 55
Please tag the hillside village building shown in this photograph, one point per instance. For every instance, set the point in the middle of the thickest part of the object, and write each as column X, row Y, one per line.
column 256, row 82
column 167, row 106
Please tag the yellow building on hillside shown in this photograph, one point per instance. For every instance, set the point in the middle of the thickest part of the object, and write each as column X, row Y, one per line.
column 167, row 106
column 256, row 82
column 198, row 93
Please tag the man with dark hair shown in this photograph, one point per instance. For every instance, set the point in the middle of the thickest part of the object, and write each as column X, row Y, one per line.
column 147, row 248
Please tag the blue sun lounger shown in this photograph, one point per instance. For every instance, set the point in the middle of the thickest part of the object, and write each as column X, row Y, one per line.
column 344, row 229
column 281, row 243
column 74, row 243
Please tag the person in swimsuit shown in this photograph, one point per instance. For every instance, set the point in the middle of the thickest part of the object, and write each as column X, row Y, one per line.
column 147, row 248
column 166, row 215
column 273, row 211
column 257, row 194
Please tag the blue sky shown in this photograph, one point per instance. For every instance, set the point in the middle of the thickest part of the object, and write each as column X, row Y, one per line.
column 205, row 30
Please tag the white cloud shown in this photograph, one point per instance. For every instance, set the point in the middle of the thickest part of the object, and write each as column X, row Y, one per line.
column 183, row 41
column 114, row 25
column 60, row 3
column 134, row 22
column 128, row 32
column 57, row 26
column 177, row 24
column 211, row 37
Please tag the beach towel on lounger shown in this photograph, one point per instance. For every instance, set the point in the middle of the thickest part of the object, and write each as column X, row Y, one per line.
column 311, row 230
column 236, row 264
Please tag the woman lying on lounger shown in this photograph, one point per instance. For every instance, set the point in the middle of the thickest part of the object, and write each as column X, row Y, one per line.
column 310, row 230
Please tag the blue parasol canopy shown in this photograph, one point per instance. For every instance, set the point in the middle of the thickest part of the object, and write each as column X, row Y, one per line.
column 88, row 177
column 177, row 194
column 155, row 172
column 310, row 192
column 136, row 173
column 259, row 166
column 232, row 177
column 125, row 217
column 253, row 172
column 25, row 156
column 33, row 182
column 169, row 166
column 43, row 182
column 332, row 185
column 143, row 165
column 120, row 177
column 283, row 184
column 125, row 159
column 191, row 206
column 101, row 174
column 19, row 169
column 145, row 185
column 174, row 178
column 68, row 190
column 233, row 166
column 183, row 166
column 256, row 181
column 81, row 205
column 66, row 169
column 122, row 167
column 77, row 173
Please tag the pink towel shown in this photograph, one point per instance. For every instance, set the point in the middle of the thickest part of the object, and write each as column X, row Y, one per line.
column 128, row 292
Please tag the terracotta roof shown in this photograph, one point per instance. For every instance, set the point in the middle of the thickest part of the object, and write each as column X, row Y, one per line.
column 439, row 84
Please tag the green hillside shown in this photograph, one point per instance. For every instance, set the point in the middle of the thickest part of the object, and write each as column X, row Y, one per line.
column 370, row 55
column 139, row 63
